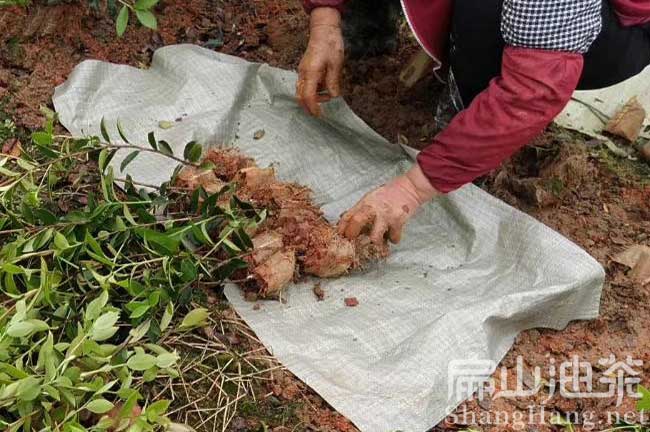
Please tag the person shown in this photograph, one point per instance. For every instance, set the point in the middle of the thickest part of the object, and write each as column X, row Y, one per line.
column 516, row 64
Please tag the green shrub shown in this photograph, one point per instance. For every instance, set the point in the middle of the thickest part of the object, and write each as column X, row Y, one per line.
column 91, row 276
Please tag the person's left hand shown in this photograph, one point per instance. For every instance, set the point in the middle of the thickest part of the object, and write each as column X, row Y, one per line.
column 387, row 209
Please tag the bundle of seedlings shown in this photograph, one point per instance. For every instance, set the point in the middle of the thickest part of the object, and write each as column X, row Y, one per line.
column 294, row 240
column 91, row 276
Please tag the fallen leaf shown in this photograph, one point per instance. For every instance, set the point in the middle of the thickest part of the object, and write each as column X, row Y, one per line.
column 259, row 134
column 533, row 191
column 628, row 122
column 164, row 124
column 637, row 258
column 351, row 302
column 12, row 147
column 178, row 427
column 641, row 271
column 631, row 256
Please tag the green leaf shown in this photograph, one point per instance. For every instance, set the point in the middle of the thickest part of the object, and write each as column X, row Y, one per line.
column 145, row 4
column 120, row 27
column 127, row 160
column 227, row 242
column 47, row 360
column 128, row 215
column 28, row 389
column 11, row 269
column 139, row 311
column 141, row 362
column 140, row 331
column 104, row 131
column 165, row 148
column 26, row 328
column 104, row 327
column 165, row 124
column 643, row 404
column 94, row 245
column 147, row 19
column 119, row 124
column 156, row 410
column 150, row 374
column 99, row 406
column 95, row 307
column 60, row 241
column 188, row 270
column 152, row 141
column 167, row 317
column 104, row 423
column 192, row 152
column 163, row 244
column 166, row 360
column 45, row 151
column 107, row 185
column 46, row 216
column 559, row 420
column 43, row 138
column 103, row 160
column 196, row 318
column 118, row 225
column 207, row 165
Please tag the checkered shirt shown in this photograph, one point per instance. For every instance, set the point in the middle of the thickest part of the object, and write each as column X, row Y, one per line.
column 557, row 25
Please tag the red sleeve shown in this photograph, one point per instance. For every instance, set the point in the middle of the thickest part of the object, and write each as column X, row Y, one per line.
column 313, row 4
column 632, row 12
column 534, row 86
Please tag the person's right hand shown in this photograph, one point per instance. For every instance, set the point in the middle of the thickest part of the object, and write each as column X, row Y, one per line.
column 320, row 69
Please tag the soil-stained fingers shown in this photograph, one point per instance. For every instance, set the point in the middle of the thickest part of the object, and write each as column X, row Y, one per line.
column 354, row 221
column 333, row 78
column 395, row 233
column 379, row 229
column 312, row 73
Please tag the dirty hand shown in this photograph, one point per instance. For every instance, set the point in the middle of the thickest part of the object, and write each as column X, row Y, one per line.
column 386, row 209
column 320, row 68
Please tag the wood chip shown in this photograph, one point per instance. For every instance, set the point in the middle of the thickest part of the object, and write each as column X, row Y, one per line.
column 419, row 65
column 319, row 292
column 259, row 134
column 351, row 302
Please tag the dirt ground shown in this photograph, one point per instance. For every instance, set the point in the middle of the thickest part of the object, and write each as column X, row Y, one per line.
column 565, row 181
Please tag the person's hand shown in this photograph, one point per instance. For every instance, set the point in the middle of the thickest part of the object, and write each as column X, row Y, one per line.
column 320, row 69
column 386, row 210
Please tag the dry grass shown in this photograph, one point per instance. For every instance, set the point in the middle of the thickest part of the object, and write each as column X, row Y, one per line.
column 221, row 365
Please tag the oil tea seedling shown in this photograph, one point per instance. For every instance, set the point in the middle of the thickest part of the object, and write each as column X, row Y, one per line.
column 93, row 276
column 141, row 9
